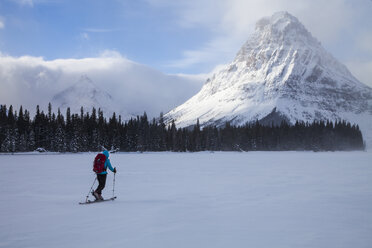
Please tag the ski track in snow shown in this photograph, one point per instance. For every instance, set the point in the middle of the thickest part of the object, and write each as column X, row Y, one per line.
column 222, row 199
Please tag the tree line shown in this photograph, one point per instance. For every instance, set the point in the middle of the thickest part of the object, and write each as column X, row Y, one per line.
column 91, row 131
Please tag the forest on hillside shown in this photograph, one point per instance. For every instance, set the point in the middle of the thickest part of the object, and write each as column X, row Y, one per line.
column 91, row 131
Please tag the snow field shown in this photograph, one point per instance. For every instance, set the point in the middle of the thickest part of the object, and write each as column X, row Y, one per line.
column 254, row 199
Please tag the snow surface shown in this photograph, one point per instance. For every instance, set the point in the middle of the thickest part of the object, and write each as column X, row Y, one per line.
column 254, row 199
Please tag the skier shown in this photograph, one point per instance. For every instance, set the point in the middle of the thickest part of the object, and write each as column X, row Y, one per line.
column 101, row 177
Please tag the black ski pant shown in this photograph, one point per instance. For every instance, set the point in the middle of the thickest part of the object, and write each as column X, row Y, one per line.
column 101, row 182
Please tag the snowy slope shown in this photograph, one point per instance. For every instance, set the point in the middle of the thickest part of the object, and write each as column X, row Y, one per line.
column 281, row 73
column 183, row 200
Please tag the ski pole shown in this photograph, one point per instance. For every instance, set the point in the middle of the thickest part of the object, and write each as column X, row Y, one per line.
column 86, row 200
column 113, row 187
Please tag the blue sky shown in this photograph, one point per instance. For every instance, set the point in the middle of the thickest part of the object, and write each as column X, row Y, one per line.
column 76, row 29
column 188, row 37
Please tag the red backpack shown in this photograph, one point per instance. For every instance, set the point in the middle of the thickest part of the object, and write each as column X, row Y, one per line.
column 99, row 163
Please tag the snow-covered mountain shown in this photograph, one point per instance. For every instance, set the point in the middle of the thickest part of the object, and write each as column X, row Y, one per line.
column 281, row 73
column 85, row 93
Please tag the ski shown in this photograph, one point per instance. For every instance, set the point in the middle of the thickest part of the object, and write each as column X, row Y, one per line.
column 97, row 201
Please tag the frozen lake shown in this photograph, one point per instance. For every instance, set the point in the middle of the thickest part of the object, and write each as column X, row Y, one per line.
column 254, row 199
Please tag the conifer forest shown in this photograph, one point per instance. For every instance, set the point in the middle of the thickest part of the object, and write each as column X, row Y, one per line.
column 91, row 131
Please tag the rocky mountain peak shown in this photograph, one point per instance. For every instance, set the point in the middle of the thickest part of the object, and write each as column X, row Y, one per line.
column 278, row 32
column 278, row 22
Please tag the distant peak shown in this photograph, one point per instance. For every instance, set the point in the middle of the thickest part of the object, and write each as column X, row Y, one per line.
column 283, row 15
column 279, row 21
column 278, row 30
column 85, row 78
column 84, row 83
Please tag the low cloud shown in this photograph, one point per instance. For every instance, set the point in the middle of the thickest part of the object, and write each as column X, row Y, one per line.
column 136, row 88
column 365, row 42
column 362, row 70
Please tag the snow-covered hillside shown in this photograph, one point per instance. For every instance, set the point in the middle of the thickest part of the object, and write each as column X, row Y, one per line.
column 199, row 200
column 281, row 73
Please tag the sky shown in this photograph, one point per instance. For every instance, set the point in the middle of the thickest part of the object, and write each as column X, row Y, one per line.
column 188, row 37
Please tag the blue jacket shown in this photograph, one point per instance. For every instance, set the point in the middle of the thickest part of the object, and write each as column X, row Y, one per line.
column 107, row 163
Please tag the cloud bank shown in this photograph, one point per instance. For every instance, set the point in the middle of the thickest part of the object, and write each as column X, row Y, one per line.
column 136, row 88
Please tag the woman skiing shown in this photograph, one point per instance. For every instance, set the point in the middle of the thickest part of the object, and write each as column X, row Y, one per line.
column 101, row 163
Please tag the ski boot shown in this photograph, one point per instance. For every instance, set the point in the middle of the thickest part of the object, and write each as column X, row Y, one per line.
column 96, row 195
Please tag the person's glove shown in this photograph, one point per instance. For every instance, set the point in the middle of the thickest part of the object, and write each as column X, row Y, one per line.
column 115, row 170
